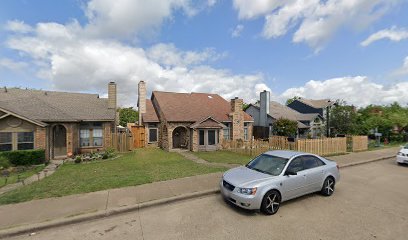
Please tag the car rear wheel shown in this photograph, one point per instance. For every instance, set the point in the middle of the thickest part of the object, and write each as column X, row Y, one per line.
column 328, row 186
column 271, row 202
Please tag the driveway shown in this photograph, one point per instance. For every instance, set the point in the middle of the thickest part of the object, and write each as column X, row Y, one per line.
column 369, row 203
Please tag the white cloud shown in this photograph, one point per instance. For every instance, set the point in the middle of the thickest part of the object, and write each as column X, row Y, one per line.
column 74, row 61
column 236, row 32
column 403, row 70
column 358, row 90
column 18, row 26
column 169, row 55
column 314, row 22
column 125, row 18
column 12, row 65
column 393, row 34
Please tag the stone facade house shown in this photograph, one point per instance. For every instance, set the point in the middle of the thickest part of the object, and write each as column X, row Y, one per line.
column 266, row 112
column 191, row 121
column 61, row 123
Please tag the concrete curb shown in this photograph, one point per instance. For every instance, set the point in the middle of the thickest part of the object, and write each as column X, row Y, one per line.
column 368, row 161
column 7, row 233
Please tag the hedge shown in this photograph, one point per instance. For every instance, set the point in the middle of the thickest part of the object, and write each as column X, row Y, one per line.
column 25, row 157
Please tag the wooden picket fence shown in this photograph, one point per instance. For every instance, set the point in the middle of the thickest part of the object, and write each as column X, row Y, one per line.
column 122, row 141
column 324, row 146
column 359, row 143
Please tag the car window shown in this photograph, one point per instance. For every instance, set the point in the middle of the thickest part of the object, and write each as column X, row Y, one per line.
column 268, row 164
column 310, row 162
column 296, row 165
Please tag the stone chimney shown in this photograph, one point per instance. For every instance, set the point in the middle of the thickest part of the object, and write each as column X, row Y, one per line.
column 264, row 101
column 237, row 114
column 112, row 98
column 141, row 102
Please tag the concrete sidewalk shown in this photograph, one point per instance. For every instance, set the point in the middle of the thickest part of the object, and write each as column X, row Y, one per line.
column 44, row 213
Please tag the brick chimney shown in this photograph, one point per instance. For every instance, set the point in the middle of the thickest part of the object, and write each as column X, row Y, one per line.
column 237, row 118
column 112, row 98
column 141, row 102
column 264, row 101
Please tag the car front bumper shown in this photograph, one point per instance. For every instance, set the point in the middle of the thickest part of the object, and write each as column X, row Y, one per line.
column 251, row 202
column 402, row 159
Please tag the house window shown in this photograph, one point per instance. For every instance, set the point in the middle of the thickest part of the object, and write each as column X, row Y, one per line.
column 211, row 137
column 84, row 137
column 226, row 133
column 6, row 143
column 16, row 141
column 25, row 140
column 246, row 131
column 201, row 137
column 152, row 135
column 91, row 135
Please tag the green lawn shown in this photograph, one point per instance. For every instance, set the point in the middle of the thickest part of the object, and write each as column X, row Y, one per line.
column 224, row 157
column 371, row 145
column 14, row 176
column 139, row 167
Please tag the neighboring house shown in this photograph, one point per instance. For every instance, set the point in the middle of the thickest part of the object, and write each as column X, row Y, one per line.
column 266, row 112
column 61, row 123
column 192, row 121
column 304, row 105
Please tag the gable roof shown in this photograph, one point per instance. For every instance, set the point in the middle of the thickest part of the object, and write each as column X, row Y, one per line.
column 52, row 106
column 321, row 103
column 208, row 122
column 150, row 115
column 192, row 107
column 277, row 110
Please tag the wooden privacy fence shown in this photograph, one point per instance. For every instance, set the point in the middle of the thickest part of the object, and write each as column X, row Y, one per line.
column 359, row 143
column 324, row 146
column 122, row 141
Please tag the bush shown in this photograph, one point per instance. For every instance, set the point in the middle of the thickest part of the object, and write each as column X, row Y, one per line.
column 78, row 159
column 4, row 163
column 25, row 157
column 110, row 152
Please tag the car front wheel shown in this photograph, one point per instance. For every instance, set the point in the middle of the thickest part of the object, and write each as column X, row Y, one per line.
column 328, row 187
column 271, row 202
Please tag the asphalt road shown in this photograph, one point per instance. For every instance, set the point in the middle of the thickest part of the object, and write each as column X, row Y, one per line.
column 370, row 202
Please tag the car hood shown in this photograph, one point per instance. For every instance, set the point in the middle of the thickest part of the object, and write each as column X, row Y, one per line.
column 245, row 177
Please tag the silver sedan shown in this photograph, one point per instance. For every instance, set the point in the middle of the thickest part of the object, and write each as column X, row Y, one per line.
column 277, row 176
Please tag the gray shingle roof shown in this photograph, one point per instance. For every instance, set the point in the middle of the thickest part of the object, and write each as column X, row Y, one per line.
column 320, row 103
column 51, row 106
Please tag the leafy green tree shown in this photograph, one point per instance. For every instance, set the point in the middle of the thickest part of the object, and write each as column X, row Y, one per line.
column 285, row 127
column 343, row 118
column 127, row 115
column 290, row 100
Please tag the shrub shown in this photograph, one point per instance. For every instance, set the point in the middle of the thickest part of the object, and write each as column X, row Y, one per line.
column 4, row 163
column 110, row 152
column 25, row 157
column 78, row 159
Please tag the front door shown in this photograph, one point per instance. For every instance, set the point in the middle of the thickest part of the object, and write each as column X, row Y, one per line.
column 208, row 139
column 60, row 141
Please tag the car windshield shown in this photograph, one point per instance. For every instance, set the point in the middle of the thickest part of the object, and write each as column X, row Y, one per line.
column 268, row 164
column 406, row 146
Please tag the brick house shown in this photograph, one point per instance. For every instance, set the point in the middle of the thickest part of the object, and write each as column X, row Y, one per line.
column 61, row 123
column 191, row 121
column 266, row 112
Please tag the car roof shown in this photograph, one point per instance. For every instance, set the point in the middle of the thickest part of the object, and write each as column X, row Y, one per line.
column 285, row 153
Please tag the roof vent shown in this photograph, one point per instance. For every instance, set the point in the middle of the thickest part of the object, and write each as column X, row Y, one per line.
column 210, row 97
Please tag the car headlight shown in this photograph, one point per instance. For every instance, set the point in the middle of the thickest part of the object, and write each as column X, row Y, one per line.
column 247, row 191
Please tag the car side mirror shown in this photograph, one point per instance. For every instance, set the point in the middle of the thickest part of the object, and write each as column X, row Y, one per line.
column 288, row 173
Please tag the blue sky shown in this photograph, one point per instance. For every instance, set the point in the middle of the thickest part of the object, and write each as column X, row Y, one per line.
column 313, row 48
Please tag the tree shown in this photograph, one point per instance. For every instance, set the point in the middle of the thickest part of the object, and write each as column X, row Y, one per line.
column 127, row 115
column 290, row 100
column 343, row 118
column 285, row 127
